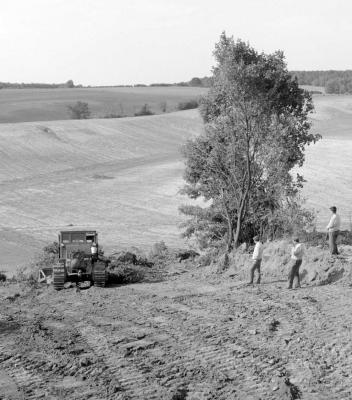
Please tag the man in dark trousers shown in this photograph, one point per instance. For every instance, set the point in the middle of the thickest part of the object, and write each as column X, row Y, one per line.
column 333, row 229
column 296, row 257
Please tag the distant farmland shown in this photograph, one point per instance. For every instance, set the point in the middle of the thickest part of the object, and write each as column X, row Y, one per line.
column 29, row 105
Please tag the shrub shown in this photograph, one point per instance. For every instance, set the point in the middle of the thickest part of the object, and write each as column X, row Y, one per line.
column 145, row 110
column 187, row 105
column 113, row 115
column 52, row 248
column 79, row 110
column 2, row 277
column 163, row 106
column 158, row 249
column 125, row 274
column 47, row 258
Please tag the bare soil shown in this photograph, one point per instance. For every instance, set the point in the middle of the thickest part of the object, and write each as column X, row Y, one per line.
column 184, row 335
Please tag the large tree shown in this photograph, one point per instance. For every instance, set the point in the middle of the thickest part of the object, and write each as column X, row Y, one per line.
column 256, row 130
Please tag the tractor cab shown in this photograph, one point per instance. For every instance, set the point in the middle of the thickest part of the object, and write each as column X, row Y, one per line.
column 71, row 242
column 76, row 262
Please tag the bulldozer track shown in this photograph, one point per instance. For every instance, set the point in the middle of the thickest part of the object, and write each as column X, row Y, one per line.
column 99, row 274
column 59, row 276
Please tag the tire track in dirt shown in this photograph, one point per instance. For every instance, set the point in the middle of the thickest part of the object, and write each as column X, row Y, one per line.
column 17, row 376
column 192, row 354
column 39, row 362
column 220, row 341
column 313, row 328
column 134, row 383
column 329, row 345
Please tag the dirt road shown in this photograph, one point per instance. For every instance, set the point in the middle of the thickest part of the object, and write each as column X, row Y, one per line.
column 181, row 337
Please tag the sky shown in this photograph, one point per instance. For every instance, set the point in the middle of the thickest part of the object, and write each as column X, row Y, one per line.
column 110, row 42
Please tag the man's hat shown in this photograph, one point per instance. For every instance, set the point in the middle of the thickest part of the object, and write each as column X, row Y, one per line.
column 333, row 208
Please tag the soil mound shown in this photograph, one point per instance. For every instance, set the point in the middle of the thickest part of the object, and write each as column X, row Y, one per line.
column 318, row 267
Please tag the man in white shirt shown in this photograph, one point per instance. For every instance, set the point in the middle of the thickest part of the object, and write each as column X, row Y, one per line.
column 94, row 252
column 297, row 253
column 333, row 229
column 257, row 259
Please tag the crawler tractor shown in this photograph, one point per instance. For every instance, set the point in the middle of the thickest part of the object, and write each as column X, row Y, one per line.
column 76, row 263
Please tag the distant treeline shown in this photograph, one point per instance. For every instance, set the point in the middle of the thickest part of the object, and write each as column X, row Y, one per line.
column 9, row 85
column 194, row 82
column 338, row 82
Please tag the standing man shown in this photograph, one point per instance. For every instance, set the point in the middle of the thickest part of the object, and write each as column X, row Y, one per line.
column 257, row 259
column 297, row 253
column 94, row 252
column 333, row 229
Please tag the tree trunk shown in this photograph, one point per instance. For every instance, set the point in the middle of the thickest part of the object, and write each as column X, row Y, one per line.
column 239, row 222
column 237, row 233
column 229, row 245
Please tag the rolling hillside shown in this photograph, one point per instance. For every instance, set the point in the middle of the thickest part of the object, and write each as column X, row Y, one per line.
column 25, row 105
column 123, row 176
column 328, row 167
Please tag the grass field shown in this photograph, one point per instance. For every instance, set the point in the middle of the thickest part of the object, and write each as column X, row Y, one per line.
column 122, row 176
column 31, row 105
column 328, row 163
column 25, row 105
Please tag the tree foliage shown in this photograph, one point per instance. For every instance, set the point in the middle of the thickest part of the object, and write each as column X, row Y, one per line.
column 79, row 110
column 335, row 82
column 256, row 130
column 70, row 84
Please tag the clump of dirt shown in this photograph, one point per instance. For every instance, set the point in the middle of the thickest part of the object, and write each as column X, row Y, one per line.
column 273, row 325
column 179, row 394
column 287, row 390
column 102, row 177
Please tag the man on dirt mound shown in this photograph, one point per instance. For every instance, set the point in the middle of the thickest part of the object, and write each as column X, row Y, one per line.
column 297, row 253
column 333, row 229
